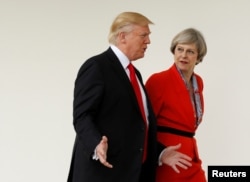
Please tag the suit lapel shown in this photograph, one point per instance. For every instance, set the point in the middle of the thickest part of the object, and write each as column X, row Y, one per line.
column 122, row 75
column 117, row 67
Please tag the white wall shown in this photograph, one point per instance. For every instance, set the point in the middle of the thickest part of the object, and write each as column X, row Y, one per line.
column 43, row 44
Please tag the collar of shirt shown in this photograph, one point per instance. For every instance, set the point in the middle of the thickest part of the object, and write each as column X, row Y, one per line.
column 121, row 56
column 125, row 62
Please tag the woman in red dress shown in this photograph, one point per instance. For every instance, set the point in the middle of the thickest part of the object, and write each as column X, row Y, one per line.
column 177, row 99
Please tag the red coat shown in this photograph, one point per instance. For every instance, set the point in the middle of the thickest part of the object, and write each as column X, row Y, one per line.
column 173, row 108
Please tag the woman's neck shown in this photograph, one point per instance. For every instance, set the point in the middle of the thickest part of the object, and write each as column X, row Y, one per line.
column 187, row 76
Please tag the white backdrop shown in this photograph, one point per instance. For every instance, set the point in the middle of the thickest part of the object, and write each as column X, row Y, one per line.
column 43, row 44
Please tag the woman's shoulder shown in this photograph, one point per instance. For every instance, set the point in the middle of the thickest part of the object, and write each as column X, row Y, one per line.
column 156, row 82
column 161, row 75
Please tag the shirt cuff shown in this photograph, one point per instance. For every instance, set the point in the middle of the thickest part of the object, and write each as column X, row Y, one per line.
column 159, row 159
column 94, row 156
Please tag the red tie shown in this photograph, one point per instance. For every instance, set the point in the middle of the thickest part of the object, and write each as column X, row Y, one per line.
column 137, row 90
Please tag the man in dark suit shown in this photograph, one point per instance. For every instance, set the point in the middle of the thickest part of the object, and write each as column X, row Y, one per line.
column 111, row 132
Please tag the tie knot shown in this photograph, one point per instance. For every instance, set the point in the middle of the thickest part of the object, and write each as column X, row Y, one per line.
column 130, row 65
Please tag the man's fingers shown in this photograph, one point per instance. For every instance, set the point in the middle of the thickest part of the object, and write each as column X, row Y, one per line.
column 185, row 157
column 102, row 159
column 104, row 139
column 183, row 166
column 185, row 162
column 175, row 169
column 175, row 147
column 107, row 164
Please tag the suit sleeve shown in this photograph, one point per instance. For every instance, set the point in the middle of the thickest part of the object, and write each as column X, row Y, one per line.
column 87, row 96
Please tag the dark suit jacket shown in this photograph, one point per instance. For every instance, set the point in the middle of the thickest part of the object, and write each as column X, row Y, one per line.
column 105, row 104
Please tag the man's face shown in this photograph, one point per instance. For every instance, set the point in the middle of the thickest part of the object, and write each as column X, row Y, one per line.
column 137, row 41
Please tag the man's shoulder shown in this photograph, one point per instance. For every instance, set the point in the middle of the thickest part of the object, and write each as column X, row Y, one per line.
column 95, row 59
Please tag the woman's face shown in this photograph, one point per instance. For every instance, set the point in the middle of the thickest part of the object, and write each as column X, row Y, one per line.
column 185, row 57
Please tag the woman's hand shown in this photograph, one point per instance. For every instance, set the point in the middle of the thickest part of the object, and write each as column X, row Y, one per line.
column 175, row 159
